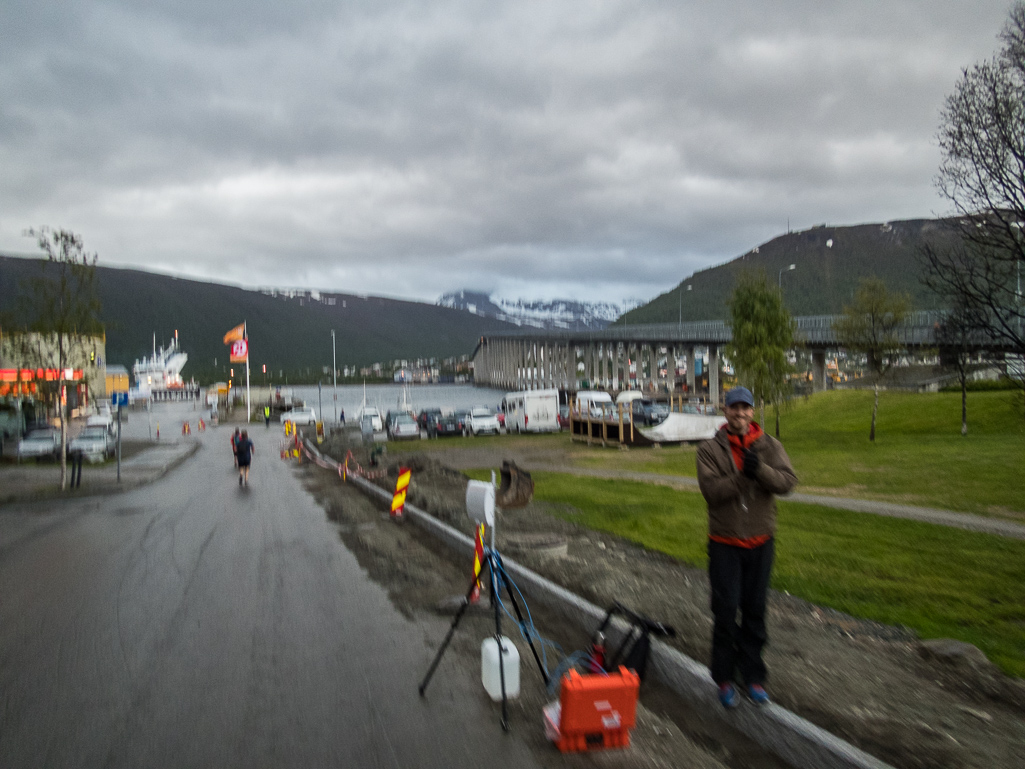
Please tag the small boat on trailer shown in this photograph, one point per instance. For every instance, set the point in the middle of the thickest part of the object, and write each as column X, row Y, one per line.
column 686, row 423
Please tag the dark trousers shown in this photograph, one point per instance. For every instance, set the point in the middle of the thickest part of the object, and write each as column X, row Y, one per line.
column 739, row 578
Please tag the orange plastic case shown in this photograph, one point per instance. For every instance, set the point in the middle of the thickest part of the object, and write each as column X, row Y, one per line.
column 594, row 711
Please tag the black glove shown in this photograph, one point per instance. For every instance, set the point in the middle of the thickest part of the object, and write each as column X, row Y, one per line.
column 751, row 463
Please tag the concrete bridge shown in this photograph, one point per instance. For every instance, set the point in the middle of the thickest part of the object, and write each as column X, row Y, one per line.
column 531, row 359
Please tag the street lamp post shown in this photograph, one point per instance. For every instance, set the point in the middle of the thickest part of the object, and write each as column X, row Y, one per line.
column 334, row 372
column 785, row 269
column 681, row 303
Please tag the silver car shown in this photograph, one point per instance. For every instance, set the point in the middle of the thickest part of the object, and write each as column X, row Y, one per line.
column 403, row 426
column 300, row 415
column 96, row 444
column 39, row 443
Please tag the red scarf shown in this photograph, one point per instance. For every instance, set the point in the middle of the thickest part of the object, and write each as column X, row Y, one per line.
column 740, row 442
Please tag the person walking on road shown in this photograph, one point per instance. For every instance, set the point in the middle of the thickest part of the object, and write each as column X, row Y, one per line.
column 244, row 454
column 740, row 470
column 266, row 416
column 234, row 446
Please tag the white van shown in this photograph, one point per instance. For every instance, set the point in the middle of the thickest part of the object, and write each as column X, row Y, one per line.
column 533, row 411
column 627, row 397
column 596, row 403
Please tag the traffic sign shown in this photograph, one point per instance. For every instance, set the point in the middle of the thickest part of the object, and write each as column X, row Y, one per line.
column 119, row 399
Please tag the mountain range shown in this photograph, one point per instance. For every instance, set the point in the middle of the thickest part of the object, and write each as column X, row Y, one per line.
column 817, row 269
column 555, row 314
column 291, row 331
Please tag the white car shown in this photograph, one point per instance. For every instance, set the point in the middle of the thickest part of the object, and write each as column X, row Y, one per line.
column 301, row 415
column 39, row 443
column 482, row 420
column 403, row 426
column 95, row 442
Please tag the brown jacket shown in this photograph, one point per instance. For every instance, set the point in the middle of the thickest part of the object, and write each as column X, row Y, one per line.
column 740, row 507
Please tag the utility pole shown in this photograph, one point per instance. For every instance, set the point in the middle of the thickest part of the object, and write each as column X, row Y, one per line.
column 334, row 372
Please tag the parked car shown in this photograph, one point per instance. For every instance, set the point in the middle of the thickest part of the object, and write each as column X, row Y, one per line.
column 483, row 420
column 428, row 420
column 563, row 417
column 39, row 444
column 300, row 415
column 95, row 443
column 648, row 412
column 403, row 425
column 449, row 424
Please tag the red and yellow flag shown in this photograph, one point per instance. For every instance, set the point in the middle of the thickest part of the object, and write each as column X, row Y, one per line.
column 239, row 332
column 239, row 351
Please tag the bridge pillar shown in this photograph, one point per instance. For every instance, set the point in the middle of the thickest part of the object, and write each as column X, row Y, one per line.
column 713, row 375
column 653, row 365
column 818, row 370
column 688, row 356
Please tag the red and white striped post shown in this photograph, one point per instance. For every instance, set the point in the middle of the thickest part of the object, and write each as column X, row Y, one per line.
column 478, row 562
column 398, row 501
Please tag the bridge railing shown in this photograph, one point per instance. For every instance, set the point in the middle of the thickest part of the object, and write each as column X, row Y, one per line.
column 918, row 330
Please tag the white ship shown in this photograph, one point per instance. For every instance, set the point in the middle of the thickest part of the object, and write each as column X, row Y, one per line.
column 160, row 377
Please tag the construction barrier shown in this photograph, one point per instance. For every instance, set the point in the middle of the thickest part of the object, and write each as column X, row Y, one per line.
column 398, row 501
column 478, row 562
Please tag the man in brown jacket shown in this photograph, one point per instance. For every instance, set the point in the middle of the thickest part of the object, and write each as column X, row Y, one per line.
column 740, row 471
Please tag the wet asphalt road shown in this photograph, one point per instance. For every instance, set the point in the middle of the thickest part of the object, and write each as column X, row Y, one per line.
column 192, row 623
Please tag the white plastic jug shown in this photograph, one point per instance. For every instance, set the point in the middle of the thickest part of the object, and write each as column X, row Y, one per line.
column 490, row 674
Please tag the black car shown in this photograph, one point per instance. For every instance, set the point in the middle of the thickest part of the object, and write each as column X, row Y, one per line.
column 428, row 420
column 449, row 424
column 648, row 412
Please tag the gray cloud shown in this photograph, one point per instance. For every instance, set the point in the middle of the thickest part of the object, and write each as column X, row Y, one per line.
column 538, row 149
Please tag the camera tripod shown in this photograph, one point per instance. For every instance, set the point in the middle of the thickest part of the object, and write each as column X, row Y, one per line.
column 493, row 563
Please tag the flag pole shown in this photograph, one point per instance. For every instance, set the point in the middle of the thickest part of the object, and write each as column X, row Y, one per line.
column 249, row 402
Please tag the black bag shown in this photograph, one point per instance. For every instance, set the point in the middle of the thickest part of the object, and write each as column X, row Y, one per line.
column 633, row 650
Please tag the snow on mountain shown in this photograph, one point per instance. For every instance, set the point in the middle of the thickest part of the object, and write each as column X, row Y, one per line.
column 555, row 314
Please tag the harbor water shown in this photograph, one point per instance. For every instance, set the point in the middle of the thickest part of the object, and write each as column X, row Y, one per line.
column 386, row 397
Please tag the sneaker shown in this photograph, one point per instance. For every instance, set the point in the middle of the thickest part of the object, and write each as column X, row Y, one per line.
column 728, row 696
column 757, row 694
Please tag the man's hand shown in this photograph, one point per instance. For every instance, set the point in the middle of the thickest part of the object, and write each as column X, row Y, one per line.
column 751, row 463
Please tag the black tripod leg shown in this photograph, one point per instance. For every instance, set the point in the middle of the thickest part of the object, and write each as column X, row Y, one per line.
column 498, row 638
column 448, row 637
column 519, row 616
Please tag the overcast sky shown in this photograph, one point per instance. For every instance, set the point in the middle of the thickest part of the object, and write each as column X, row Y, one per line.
column 586, row 150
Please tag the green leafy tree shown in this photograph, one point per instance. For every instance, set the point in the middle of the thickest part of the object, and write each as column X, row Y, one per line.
column 763, row 335
column 63, row 314
column 869, row 325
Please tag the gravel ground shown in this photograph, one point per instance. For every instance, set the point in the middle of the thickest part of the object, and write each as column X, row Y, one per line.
column 909, row 703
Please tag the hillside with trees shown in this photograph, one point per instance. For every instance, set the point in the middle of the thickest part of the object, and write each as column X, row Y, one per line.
column 829, row 263
column 290, row 332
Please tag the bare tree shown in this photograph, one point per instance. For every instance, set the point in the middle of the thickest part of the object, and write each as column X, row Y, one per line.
column 982, row 138
column 959, row 335
column 63, row 312
column 869, row 325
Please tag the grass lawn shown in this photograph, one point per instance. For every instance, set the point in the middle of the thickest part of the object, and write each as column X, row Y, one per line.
column 919, row 456
column 939, row 581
